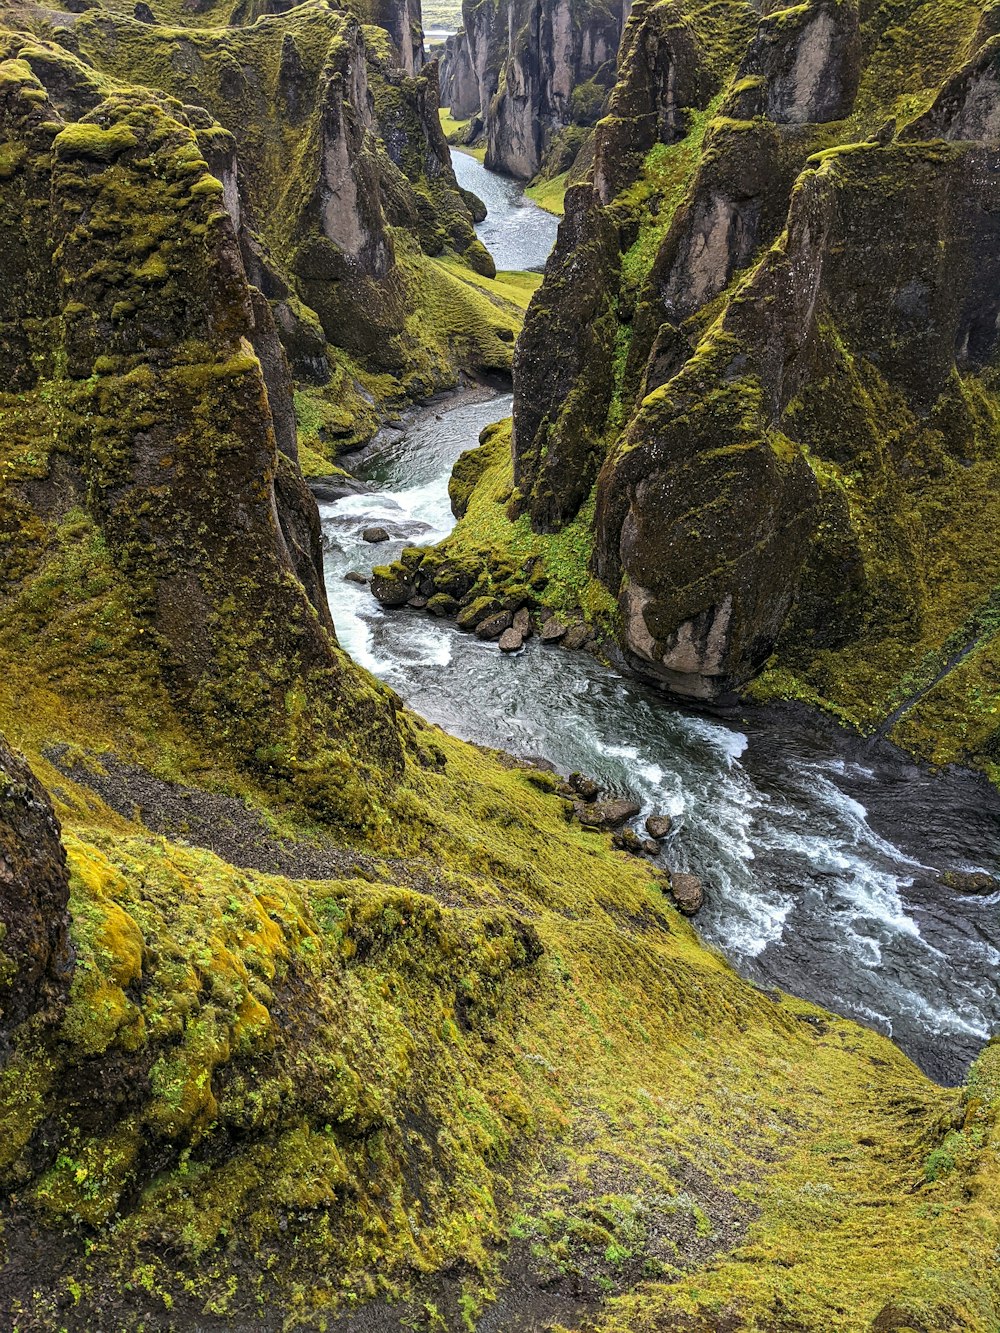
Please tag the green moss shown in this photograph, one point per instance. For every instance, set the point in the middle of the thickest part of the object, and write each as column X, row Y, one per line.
column 486, row 538
column 84, row 140
column 550, row 194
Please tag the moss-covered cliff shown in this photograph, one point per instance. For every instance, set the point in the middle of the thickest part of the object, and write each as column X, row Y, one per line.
column 336, row 177
column 779, row 424
column 531, row 77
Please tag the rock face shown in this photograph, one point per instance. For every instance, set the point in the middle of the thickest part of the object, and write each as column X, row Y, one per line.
column 761, row 348
column 609, row 814
column 35, row 953
column 403, row 22
column 344, row 174
column 173, row 380
column 534, row 74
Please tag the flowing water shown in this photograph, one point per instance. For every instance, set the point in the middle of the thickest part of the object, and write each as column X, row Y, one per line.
column 517, row 233
column 819, row 852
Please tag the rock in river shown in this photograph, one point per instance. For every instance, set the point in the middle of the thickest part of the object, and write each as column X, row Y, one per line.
column 552, row 630
column 584, row 786
column 606, row 814
column 493, row 626
column 511, row 641
column 658, row 826
column 392, row 585
column 687, row 892
column 375, row 535
column 974, row 882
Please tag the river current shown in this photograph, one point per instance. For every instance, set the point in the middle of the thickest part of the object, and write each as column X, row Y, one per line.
column 820, row 852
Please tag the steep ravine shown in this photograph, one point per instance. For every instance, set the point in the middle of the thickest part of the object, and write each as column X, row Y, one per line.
column 821, row 852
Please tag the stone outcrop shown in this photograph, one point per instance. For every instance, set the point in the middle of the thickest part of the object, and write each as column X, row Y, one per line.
column 760, row 343
column 35, row 953
column 403, row 22
column 172, row 406
column 532, row 73
column 335, row 167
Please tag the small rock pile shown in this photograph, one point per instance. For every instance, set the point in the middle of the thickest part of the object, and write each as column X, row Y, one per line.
column 424, row 580
column 611, row 814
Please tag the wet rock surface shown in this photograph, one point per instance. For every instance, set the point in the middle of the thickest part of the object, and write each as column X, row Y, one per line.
column 658, row 826
column 687, row 892
column 607, row 814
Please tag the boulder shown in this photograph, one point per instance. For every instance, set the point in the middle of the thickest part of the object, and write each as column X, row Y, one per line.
column 606, row 814
column 392, row 585
column 418, row 603
column 355, row 576
column 375, row 535
column 584, row 786
column 511, row 641
column 522, row 622
column 477, row 610
column 552, row 631
column 336, row 487
column 687, row 892
column 973, row 882
column 442, row 605
column 493, row 626
column 650, row 847
column 627, row 840
column 658, row 826
column 577, row 636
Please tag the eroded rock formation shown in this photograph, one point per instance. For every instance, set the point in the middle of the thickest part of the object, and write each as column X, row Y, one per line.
column 788, row 302
column 534, row 74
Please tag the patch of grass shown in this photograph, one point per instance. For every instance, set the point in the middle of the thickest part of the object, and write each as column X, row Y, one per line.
column 550, row 194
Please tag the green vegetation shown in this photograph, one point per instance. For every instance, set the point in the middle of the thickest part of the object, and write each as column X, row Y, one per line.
column 347, row 1010
column 488, row 540
column 550, row 194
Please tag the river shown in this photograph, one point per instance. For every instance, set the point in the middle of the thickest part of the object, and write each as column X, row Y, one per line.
column 820, row 852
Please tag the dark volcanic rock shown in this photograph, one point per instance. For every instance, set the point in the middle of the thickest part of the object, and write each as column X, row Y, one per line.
column 974, row 882
column 608, row 814
column 375, row 535
column 479, row 609
column 627, row 840
column 511, row 641
column 493, row 626
column 355, row 576
column 658, row 826
column 585, row 787
column 35, row 953
column 392, row 585
column 687, row 892
column 442, row 605
column 552, row 631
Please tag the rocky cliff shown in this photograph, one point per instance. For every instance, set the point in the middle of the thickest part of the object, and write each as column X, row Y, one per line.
column 533, row 75
column 760, row 370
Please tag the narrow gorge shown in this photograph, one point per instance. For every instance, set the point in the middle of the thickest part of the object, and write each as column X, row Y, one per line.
column 500, row 707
